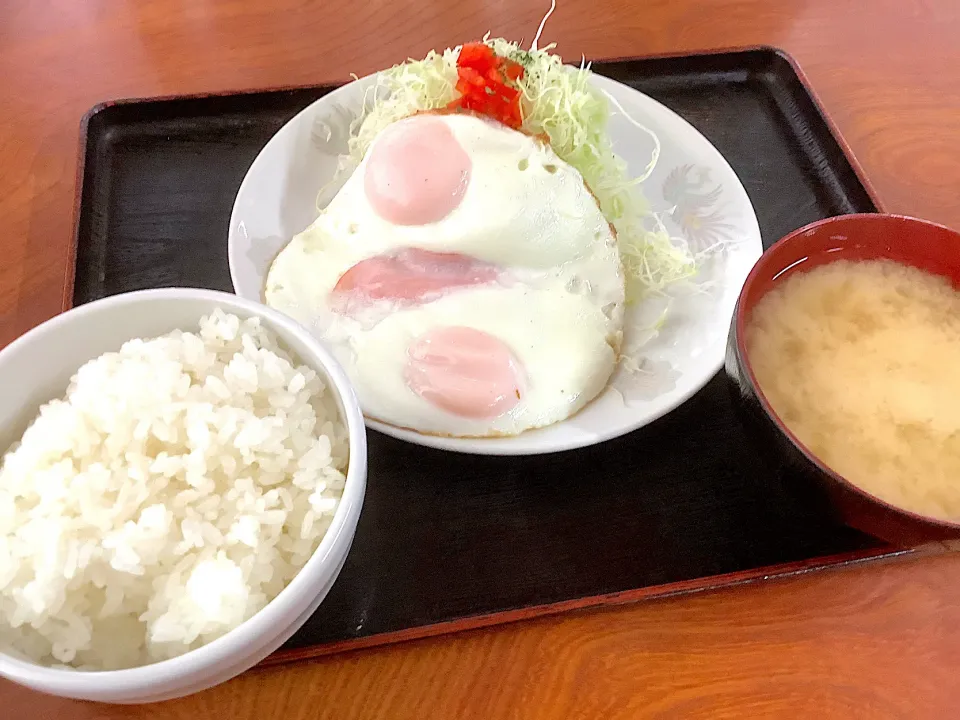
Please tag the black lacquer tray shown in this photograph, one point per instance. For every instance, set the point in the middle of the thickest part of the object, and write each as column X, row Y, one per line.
column 447, row 541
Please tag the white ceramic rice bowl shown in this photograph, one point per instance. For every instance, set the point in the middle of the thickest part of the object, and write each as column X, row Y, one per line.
column 37, row 368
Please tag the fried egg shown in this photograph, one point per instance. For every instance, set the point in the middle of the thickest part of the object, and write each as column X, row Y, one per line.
column 465, row 278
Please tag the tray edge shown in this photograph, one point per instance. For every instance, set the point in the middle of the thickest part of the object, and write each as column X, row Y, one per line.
column 694, row 586
column 834, row 130
column 80, row 186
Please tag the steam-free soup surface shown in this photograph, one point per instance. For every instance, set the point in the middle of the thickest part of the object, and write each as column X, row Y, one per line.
column 861, row 360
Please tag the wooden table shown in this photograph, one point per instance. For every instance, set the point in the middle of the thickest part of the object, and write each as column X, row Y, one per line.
column 878, row 641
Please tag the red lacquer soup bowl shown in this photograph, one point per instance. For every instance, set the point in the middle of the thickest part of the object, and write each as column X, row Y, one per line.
column 906, row 240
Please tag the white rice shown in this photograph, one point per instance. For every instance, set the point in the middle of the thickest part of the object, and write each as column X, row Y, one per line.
column 178, row 487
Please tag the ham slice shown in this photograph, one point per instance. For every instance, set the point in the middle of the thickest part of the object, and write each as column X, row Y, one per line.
column 409, row 276
column 417, row 172
column 464, row 371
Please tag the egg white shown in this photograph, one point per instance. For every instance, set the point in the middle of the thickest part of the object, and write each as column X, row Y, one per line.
column 559, row 339
column 560, row 308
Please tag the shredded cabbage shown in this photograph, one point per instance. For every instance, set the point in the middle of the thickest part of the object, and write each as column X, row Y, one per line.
column 559, row 101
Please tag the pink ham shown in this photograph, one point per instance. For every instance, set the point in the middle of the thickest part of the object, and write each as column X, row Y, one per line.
column 417, row 172
column 464, row 371
column 408, row 277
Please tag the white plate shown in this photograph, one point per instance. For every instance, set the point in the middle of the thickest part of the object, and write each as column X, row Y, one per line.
column 693, row 186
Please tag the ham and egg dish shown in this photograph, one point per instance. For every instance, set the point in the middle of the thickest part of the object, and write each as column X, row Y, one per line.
column 465, row 275
column 466, row 278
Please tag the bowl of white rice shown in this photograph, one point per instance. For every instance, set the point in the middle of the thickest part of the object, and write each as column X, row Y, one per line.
column 181, row 476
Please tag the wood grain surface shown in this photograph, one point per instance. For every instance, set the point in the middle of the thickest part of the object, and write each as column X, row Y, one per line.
column 878, row 641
